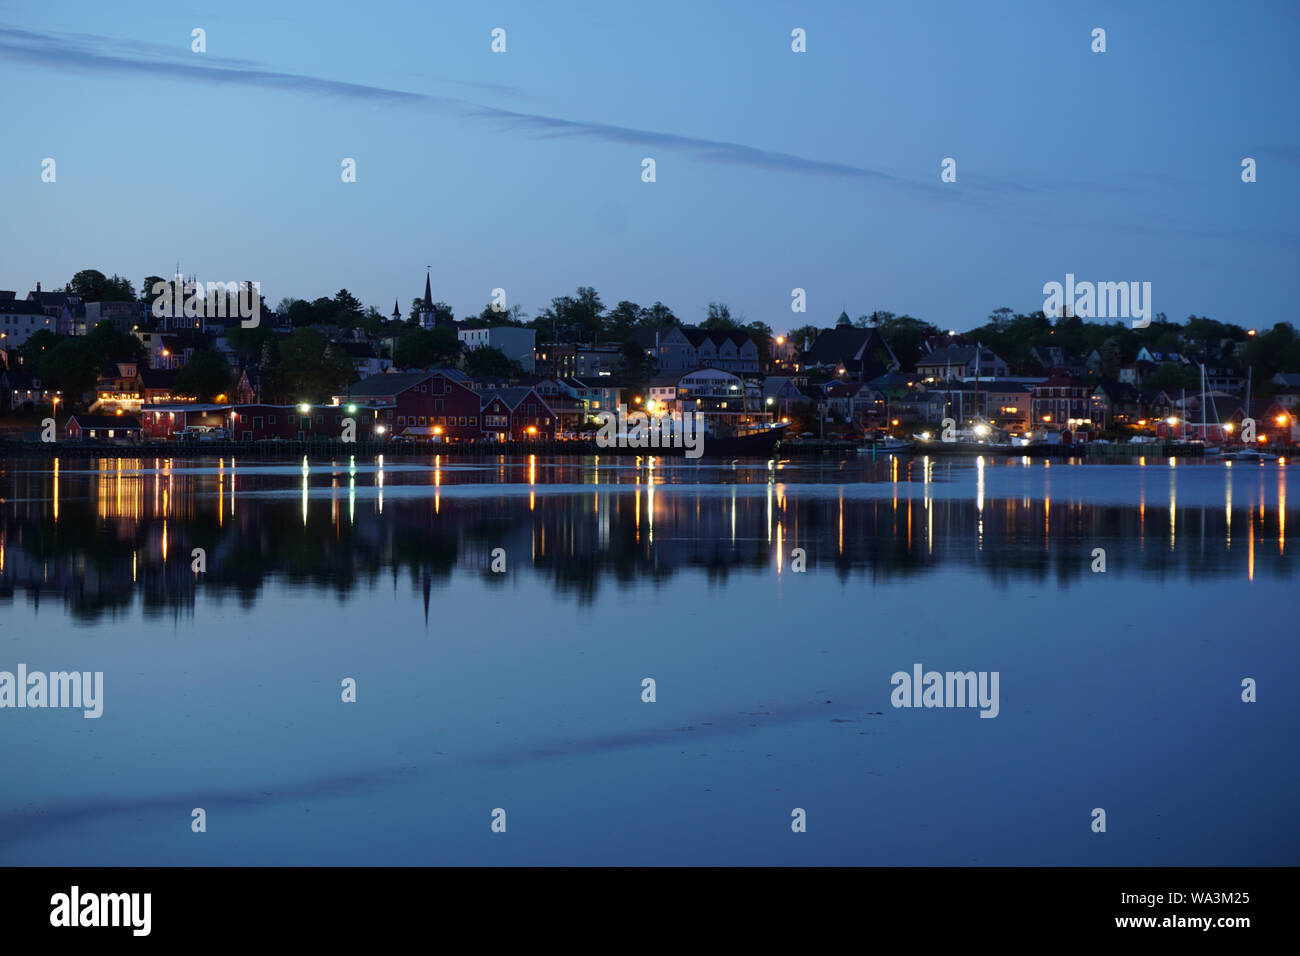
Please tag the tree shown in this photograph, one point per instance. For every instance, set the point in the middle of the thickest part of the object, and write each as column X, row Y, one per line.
column 622, row 319
column 308, row 370
column 657, row 316
column 346, row 305
column 1172, row 377
column 906, row 336
column 636, row 372
column 1111, row 358
column 873, row 320
column 147, row 286
column 206, row 375
column 588, row 311
column 421, row 348
column 719, row 317
column 488, row 362
column 89, row 285
column 71, row 367
column 74, row 363
column 490, row 317
column 249, row 343
column 798, row 338
column 117, row 289
column 761, row 334
column 109, row 345
column 301, row 313
column 41, row 340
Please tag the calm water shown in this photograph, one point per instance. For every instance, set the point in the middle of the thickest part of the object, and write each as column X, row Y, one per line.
column 523, row 690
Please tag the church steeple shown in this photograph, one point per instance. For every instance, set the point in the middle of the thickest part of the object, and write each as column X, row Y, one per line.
column 426, row 307
column 397, row 313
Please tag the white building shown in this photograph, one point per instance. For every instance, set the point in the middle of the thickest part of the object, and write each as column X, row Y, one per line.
column 19, row 320
column 515, row 343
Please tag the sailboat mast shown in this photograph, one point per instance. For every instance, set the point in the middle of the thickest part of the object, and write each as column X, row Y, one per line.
column 1203, row 422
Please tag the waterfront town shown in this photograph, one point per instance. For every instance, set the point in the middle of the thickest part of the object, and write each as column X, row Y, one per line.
column 107, row 365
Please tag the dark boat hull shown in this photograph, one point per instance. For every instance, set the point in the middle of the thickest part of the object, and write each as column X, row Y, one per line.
column 756, row 445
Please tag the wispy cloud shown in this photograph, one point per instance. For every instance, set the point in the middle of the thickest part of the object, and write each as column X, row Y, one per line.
column 105, row 55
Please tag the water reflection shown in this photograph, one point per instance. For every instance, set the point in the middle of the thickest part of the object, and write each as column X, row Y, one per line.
column 96, row 536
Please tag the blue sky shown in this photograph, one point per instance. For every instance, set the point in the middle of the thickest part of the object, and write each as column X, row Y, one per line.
column 775, row 170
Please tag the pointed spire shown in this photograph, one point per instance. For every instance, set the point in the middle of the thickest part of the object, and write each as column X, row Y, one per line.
column 397, row 313
column 428, row 294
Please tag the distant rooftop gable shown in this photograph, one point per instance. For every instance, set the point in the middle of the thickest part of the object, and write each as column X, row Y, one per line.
column 104, row 421
column 853, row 348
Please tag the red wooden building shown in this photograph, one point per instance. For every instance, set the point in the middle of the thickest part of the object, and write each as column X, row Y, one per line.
column 517, row 414
column 441, row 398
column 300, row 422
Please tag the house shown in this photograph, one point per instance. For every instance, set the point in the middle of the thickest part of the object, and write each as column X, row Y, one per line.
column 667, row 348
column 24, row 390
column 83, row 427
column 676, row 349
column 1115, row 404
column 1062, row 400
column 441, row 398
column 248, row 385
column 780, row 395
column 1223, row 378
column 731, row 350
column 365, row 361
column 1152, row 357
column 123, row 316
column 721, row 396
column 852, row 401
column 19, row 321
column 1147, row 362
column 170, row 351
column 1288, row 398
column 72, row 318
column 1155, row 404
column 1130, row 374
column 52, row 303
column 516, row 414
column 663, row 390
column 658, row 350
column 595, row 395
column 583, row 361
column 1050, row 357
column 120, row 388
column 960, row 362
column 570, row 413
column 158, row 387
column 518, row 345
column 859, row 354
column 1007, row 405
